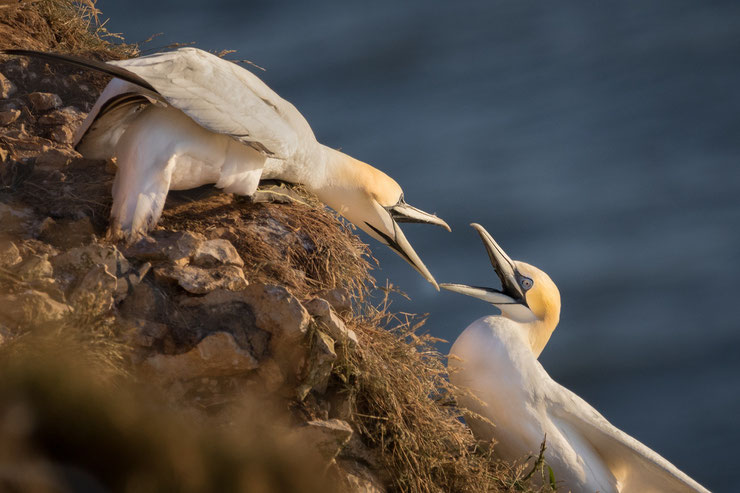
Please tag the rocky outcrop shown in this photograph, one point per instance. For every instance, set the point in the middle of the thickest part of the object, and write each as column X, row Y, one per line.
column 185, row 329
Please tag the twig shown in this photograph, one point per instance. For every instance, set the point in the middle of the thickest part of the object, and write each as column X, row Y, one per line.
column 540, row 460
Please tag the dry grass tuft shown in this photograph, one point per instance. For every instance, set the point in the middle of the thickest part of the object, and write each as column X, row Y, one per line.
column 397, row 380
column 68, row 26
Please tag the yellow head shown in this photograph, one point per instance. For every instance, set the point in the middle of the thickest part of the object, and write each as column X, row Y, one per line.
column 374, row 202
column 527, row 295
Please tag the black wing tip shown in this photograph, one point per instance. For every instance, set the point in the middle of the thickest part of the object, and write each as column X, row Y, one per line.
column 86, row 63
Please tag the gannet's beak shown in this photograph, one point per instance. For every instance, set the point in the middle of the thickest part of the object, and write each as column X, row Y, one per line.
column 398, row 243
column 404, row 213
column 510, row 299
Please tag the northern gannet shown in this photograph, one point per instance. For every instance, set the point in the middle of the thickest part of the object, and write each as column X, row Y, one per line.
column 186, row 118
column 495, row 362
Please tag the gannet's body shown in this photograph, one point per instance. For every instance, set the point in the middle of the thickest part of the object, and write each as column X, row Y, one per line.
column 187, row 118
column 494, row 363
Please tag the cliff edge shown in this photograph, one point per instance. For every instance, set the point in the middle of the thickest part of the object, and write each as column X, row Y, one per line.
column 234, row 348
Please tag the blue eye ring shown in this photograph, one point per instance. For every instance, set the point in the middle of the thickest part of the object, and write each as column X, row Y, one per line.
column 526, row 283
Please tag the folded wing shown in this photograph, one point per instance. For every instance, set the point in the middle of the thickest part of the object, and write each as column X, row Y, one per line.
column 223, row 98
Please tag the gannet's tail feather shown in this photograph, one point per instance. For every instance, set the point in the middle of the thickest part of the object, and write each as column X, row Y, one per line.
column 103, row 67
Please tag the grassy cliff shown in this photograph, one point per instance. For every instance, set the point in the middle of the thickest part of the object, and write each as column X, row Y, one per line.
column 232, row 349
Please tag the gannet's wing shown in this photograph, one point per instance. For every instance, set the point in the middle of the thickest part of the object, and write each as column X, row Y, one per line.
column 636, row 467
column 223, row 98
column 219, row 95
column 109, row 118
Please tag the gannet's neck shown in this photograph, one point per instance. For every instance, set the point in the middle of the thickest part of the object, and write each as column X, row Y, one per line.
column 345, row 172
column 346, row 179
column 542, row 300
column 538, row 332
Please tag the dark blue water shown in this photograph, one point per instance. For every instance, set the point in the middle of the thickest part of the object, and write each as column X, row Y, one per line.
column 599, row 141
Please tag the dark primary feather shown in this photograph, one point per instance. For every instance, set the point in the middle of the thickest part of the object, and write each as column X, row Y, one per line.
column 118, row 72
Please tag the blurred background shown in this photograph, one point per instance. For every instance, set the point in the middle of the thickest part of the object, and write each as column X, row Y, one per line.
column 598, row 141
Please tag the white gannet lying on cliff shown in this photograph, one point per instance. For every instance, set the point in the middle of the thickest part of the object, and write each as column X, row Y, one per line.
column 495, row 359
column 187, row 118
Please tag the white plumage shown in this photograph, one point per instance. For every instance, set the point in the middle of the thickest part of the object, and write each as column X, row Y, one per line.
column 187, row 118
column 495, row 361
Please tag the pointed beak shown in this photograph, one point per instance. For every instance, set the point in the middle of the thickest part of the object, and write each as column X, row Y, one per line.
column 399, row 244
column 403, row 248
column 404, row 213
column 502, row 264
column 489, row 295
column 510, row 292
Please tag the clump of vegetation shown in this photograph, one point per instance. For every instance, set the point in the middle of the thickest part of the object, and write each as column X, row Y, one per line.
column 403, row 405
column 68, row 26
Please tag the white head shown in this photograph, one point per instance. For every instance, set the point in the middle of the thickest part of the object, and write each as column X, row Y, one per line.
column 527, row 295
column 374, row 202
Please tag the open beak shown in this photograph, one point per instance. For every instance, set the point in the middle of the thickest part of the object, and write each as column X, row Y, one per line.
column 510, row 292
column 404, row 213
column 399, row 244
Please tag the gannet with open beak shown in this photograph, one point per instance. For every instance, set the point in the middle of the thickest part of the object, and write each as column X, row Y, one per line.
column 494, row 362
column 187, row 118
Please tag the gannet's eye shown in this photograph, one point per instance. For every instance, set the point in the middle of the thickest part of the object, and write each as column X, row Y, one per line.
column 526, row 283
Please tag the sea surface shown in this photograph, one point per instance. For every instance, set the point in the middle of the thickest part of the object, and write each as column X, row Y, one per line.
column 599, row 141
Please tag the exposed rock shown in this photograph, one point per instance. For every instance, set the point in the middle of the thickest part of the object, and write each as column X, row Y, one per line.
column 9, row 116
column 9, row 253
column 198, row 280
column 271, row 376
column 359, row 478
column 277, row 311
column 319, row 365
column 33, row 268
column 180, row 248
column 145, row 333
column 69, row 115
column 331, row 322
column 62, row 134
column 225, row 311
column 339, row 405
column 81, row 259
column 339, row 299
column 44, row 101
column 129, row 282
column 142, row 301
column 6, row 87
column 93, row 295
column 173, row 246
column 215, row 252
column 55, row 158
column 357, row 451
column 265, row 318
column 17, row 221
column 67, row 233
column 328, row 437
column 32, row 310
column 16, row 67
column 217, row 355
